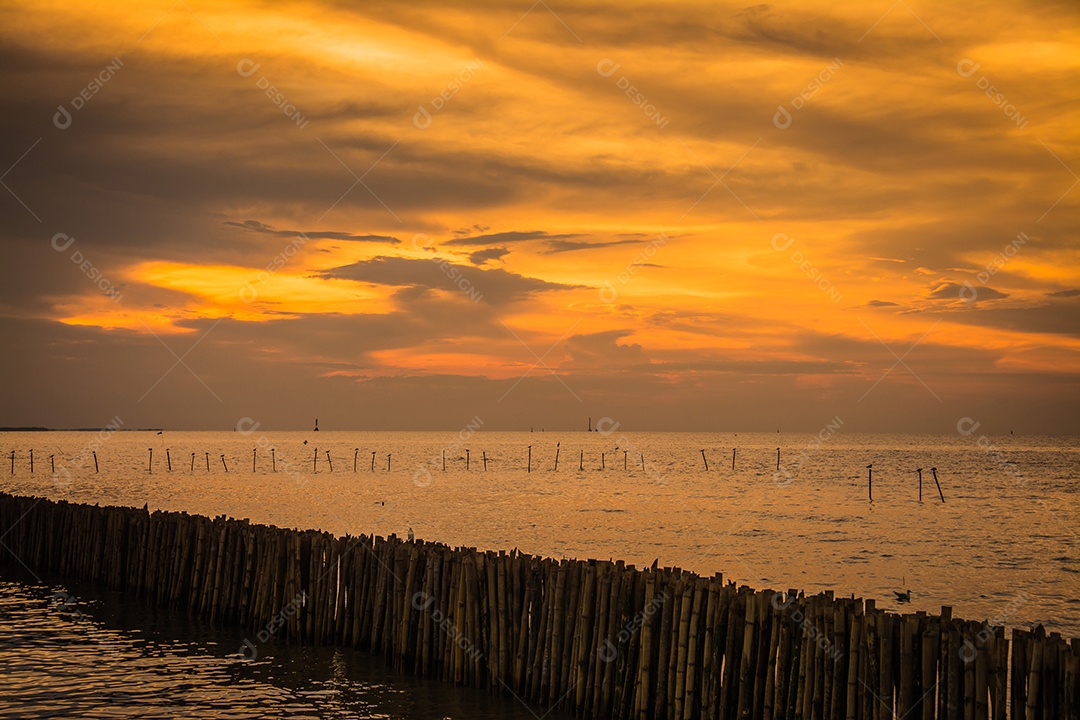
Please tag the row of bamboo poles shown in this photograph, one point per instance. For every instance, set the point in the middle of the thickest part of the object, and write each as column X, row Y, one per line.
column 598, row 639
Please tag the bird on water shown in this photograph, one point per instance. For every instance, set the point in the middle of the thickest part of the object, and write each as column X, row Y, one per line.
column 904, row 596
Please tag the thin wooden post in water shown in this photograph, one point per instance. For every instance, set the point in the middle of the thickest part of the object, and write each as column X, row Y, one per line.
column 466, row 459
column 315, row 461
column 733, row 451
column 444, row 460
column 777, row 458
column 373, row 461
column 273, row 460
column 556, row 468
column 624, row 454
column 223, row 463
column 387, row 462
column 356, row 452
column 149, row 463
column 581, row 461
column 601, row 461
column 484, row 453
column 95, row 461
column 207, row 462
column 642, row 461
column 168, row 459
column 254, row 451
column 12, row 462
column 329, row 461
column 870, row 481
column 705, row 460
column 919, row 470
column 31, row 461
column 52, row 464
column 934, row 470
column 528, row 466
column 192, row 462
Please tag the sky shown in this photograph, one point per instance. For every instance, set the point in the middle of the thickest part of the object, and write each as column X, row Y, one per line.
column 410, row 215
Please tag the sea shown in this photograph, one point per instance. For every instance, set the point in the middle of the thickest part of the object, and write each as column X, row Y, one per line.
column 989, row 527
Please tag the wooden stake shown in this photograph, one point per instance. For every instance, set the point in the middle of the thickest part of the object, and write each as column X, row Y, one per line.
column 223, row 464
column 528, row 466
column 95, row 461
column 920, row 483
column 52, row 464
column 387, row 462
column 31, row 461
column 273, row 460
column 356, row 452
column 373, row 462
column 557, row 456
column 705, row 460
column 642, row 461
column 466, row 459
column 870, row 481
column 624, row 454
column 934, row 470
column 253, row 453
column 168, row 459
column 315, row 461
column 329, row 461
column 207, row 462
column 192, row 462
column 601, row 461
column 484, row 452
column 581, row 461
column 733, row 458
column 777, row 458
column 150, row 462
column 12, row 462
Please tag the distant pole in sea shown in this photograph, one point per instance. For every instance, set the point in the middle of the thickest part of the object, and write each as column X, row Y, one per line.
column 168, row 459
column 315, row 461
column 466, row 459
column 192, row 462
column 581, row 461
column 150, row 463
column 777, row 458
column 733, row 458
column 444, row 460
column 920, row 483
column 12, row 462
column 934, row 470
column 254, row 451
column 705, row 460
column 601, row 461
column 387, row 462
column 624, row 454
column 207, row 462
column 642, row 461
column 31, row 461
column 484, row 452
column 557, row 456
column 273, row 460
column 356, row 452
column 52, row 464
column 528, row 466
column 329, row 461
column 95, row 461
column 223, row 463
column 372, row 461
column 870, row 481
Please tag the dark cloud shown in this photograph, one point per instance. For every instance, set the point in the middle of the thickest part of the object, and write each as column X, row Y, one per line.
column 954, row 291
column 1064, row 293
column 482, row 256
column 561, row 246
column 493, row 286
column 501, row 238
column 263, row 229
column 881, row 303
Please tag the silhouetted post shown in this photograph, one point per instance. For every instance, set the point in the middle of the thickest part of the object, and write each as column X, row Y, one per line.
column 329, row 461
column 870, row 481
column 642, row 461
column 581, row 461
column 372, row 461
column 192, row 462
column 52, row 464
column 387, row 462
column 920, row 483
column 466, row 459
column 557, row 455
column 12, row 462
column 31, row 461
column 223, row 463
column 315, row 461
column 150, row 462
column 273, row 460
column 777, row 458
column 934, row 470
column 253, row 453
column 705, row 460
column 624, row 454
column 484, row 452
column 528, row 466
column 356, row 452
column 733, row 458
column 168, row 459
column 444, row 460
column 601, row 461
column 207, row 462
column 95, row 460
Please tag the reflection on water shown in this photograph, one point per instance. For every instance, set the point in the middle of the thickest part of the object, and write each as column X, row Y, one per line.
column 104, row 656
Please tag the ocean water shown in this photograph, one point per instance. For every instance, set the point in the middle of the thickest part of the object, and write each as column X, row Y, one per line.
column 1003, row 546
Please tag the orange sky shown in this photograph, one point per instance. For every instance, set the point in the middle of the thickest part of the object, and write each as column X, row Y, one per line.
column 688, row 216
